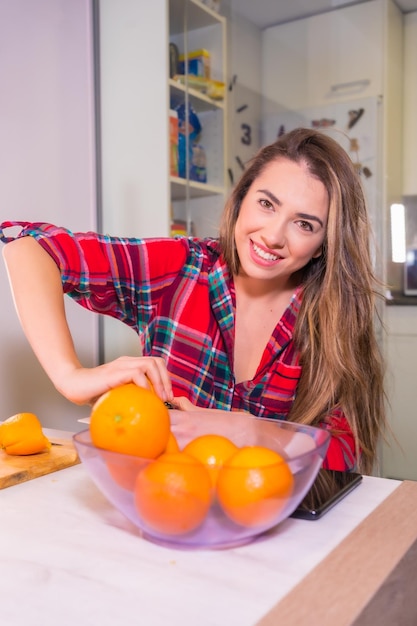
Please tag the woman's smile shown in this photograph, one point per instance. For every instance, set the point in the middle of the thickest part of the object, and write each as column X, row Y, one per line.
column 263, row 255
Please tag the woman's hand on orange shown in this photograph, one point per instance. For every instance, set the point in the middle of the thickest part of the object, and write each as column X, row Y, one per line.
column 84, row 385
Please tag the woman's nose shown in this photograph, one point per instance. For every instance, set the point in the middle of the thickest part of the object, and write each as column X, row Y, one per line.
column 275, row 234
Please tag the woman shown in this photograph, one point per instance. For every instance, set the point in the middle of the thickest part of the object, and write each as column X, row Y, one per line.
column 276, row 317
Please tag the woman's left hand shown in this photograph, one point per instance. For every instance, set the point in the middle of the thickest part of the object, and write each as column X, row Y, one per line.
column 183, row 404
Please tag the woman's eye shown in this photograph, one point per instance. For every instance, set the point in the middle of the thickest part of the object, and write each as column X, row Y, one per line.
column 305, row 225
column 266, row 204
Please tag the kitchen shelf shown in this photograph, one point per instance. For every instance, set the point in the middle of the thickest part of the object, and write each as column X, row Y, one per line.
column 199, row 100
column 196, row 189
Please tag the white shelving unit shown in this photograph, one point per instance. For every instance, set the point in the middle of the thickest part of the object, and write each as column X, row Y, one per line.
column 136, row 94
column 194, row 26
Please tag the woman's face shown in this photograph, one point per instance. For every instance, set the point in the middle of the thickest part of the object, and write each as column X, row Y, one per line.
column 282, row 222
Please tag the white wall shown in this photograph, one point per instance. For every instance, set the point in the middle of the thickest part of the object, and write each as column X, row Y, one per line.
column 410, row 104
column 244, row 64
column 47, row 167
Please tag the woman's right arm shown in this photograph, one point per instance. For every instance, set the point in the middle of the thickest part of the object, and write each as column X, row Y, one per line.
column 39, row 300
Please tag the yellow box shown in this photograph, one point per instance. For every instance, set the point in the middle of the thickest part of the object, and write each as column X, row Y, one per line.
column 198, row 63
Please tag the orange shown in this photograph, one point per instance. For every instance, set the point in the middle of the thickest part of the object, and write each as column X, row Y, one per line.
column 22, row 434
column 124, row 469
column 253, row 486
column 173, row 494
column 131, row 420
column 172, row 445
column 212, row 450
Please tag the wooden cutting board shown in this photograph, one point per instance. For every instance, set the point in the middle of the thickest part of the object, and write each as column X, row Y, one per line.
column 18, row 469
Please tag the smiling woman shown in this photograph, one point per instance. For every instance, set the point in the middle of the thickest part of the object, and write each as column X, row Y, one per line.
column 275, row 238
column 275, row 318
column 281, row 223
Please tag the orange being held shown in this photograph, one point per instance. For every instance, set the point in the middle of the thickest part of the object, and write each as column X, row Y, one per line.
column 212, row 450
column 173, row 494
column 131, row 420
column 22, row 434
column 254, row 485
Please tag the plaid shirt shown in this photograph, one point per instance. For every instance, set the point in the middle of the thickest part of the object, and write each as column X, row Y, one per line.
column 179, row 297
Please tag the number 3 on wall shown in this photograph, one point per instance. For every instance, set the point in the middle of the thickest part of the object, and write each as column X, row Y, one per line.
column 246, row 136
column 243, row 128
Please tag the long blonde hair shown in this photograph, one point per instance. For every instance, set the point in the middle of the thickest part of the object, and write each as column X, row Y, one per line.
column 342, row 366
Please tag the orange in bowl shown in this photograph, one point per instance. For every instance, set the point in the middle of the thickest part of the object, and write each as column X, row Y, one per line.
column 213, row 451
column 173, row 494
column 125, row 469
column 254, row 485
column 171, row 498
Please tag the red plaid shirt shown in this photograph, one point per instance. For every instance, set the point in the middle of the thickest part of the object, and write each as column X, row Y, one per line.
column 178, row 296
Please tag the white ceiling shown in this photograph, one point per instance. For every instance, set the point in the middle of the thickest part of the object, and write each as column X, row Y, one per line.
column 265, row 13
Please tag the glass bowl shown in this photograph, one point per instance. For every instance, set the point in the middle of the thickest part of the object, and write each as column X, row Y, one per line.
column 120, row 477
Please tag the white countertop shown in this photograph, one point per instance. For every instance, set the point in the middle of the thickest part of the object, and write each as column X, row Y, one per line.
column 68, row 557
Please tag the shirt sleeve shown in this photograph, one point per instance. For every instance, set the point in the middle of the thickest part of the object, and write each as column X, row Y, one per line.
column 119, row 277
column 341, row 453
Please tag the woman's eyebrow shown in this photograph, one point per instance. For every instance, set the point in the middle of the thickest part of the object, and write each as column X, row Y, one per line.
column 307, row 216
column 271, row 196
column 304, row 216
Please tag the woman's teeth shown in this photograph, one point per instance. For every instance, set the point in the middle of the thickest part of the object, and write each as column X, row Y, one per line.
column 267, row 256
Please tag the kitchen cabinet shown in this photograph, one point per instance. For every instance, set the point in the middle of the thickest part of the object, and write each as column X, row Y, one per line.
column 399, row 454
column 338, row 55
column 331, row 72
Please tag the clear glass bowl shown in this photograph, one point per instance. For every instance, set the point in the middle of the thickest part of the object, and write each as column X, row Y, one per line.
column 302, row 447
